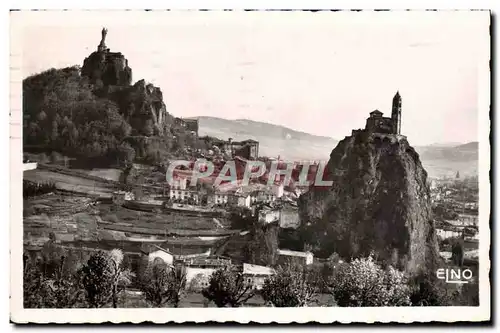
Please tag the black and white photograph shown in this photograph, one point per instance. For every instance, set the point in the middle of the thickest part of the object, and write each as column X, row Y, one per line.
column 263, row 166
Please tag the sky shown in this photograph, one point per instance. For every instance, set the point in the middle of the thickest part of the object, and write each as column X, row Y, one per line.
column 320, row 73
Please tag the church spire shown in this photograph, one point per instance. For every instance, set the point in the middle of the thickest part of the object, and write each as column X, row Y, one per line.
column 396, row 113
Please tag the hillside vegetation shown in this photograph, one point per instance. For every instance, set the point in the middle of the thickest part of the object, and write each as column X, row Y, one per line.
column 65, row 113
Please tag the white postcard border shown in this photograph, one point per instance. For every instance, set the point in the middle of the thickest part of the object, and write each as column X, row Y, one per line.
column 242, row 315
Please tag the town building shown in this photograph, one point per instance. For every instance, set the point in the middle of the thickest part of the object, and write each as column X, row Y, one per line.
column 185, row 195
column 289, row 217
column 278, row 190
column 199, row 270
column 303, row 258
column 191, row 125
column 154, row 251
column 218, row 198
column 256, row 275
column 262, row 196
column 269, row 215
column 239, row 199
column 447, row 232
column 179, row 183
column 248, row 149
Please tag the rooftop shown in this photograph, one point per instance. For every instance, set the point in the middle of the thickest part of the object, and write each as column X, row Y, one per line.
column 257, row 270
column 376, row 113
column 294, row 253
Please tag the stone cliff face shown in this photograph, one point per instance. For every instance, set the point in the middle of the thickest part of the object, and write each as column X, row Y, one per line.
column 379, row 202
column 108, row 68
column 143, row 107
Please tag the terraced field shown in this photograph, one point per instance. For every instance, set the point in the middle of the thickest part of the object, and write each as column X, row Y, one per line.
column 71, row 183
column 67, row 217
column 160, row 220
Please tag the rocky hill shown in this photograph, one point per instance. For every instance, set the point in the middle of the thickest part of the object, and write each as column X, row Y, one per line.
column 379, row 202
column 95, row 112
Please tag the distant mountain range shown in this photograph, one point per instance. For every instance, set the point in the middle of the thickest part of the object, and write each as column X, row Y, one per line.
column 274, row 140
column 439, row 159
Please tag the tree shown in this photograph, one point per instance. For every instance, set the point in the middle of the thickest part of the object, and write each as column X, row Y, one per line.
column 362, row 282
column 97, row 278
column 291, row 286
column 457, row 253
column 262, row 247
column 126, row 153
column 50, row 281
column 428, row 290
column 104, row 278
column 228, row 288
column 121, row 275
column 163, row 284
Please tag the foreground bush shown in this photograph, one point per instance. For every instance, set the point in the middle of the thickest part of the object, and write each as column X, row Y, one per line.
column 291, row 286
column 228, row 288
column 363, row 282
column 162, row 284
column 104, row 277
column 50, row 281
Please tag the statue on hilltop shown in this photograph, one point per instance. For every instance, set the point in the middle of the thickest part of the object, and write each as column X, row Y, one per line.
column 102, row 44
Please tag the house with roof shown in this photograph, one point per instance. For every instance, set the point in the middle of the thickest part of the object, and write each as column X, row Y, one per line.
column 154, row 251
column 289, row 217
column 303, row 258
column 185, row 195
column 256, row 275
column 268, row 214
column 240, row 199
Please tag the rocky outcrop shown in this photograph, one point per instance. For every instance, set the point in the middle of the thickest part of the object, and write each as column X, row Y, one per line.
column 379, row 202
column 107, row 68
column 143, row 107
column 140, row 104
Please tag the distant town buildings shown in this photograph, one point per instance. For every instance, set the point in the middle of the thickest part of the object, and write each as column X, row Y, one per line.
column 191, row 125
column 241, row 200
column 264, row 196
column 219, row 198
column 248, row 149
column 179, row 183
column 185, row 195
column 179, row 191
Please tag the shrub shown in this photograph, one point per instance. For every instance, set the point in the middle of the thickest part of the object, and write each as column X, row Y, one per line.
column 31, row 189
column 228, row 288
column 428, row 290
column 291, row 286
column 363, row 282
column 50, row 281
column 162, row 284
column 104, row 277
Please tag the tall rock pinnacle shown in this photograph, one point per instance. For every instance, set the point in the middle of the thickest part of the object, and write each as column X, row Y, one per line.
column 108, row 68
column 379, row 203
